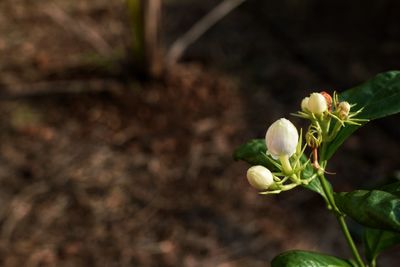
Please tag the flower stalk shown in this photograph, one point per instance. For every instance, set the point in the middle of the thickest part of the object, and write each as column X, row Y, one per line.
column 286, row 167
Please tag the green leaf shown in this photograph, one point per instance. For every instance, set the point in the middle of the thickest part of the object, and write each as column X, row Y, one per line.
column 376, row 209
column 393, row 188
column 298, row 258
column 380, row 97
column 253, row 152
column 315, row 186
column 377, row 240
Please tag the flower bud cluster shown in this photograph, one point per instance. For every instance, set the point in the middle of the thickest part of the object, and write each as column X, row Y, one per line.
column 284, row 144
column 327, row 115
column 284, row 152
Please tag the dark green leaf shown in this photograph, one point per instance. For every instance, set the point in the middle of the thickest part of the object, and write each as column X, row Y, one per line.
column 377, row 240
column 376, row 209
column 253, row 152
column 315, row 185
column 309, row 170
column 393, row 188
column 380, row 97
column 298, row 258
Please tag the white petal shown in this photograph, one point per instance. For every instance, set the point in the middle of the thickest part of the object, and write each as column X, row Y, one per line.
column 281, row 138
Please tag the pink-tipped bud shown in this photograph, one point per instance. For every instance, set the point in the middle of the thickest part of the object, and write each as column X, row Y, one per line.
column 328, row 99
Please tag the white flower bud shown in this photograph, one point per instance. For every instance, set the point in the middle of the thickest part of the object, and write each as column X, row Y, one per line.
column 260, row 177
column 344, row 109
column 281, row 138
column 317, row 103
column 304, row 104
column 345, row 106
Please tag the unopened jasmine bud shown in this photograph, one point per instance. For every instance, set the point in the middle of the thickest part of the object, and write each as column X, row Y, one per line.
column 328, row 99
column 281, row 138
column 317, row 103
column 260, row 177
column 304, row 104
column 344, row 109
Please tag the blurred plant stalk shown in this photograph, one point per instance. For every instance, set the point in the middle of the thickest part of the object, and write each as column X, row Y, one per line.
column 145, row 17
column 199, row 28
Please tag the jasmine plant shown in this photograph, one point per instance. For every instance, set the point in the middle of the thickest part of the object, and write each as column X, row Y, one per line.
column 287, row 159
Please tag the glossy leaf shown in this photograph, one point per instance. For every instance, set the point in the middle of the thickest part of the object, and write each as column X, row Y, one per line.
column 253, row 152
column 376, row 209
column 315, row 185
column 380, row 97
column 298, row 258
column 377, row 240
column 393, row 188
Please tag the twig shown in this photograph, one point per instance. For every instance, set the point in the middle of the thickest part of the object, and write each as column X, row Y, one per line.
column 80, row 29
column 152, row 29
column 20, row 206
column 199, row 28
column 145, row 16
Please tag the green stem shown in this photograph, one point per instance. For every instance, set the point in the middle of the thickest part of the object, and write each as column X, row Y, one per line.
column 286, row 167
column 323, row 151
column 341, row 220
column 325, row 124
column 350, row 241
column 328, row 193
column 288, row 170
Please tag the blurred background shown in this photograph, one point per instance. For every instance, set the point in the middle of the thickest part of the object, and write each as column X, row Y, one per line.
column 118, row 120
